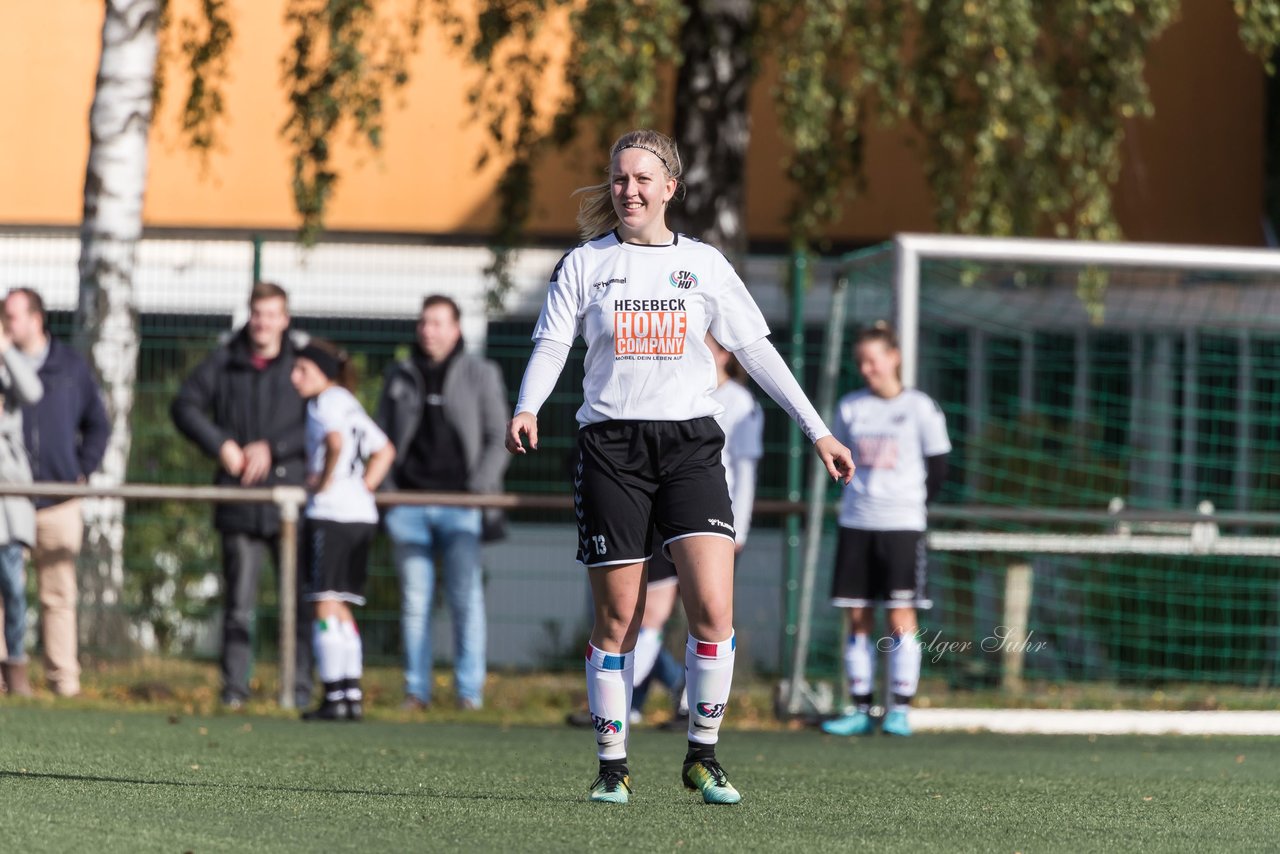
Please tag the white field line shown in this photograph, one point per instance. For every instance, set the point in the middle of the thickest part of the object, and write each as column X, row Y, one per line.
column 1090, row 722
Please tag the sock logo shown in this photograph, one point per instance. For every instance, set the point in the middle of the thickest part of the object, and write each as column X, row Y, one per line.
column 711, row 710
column 604, row 726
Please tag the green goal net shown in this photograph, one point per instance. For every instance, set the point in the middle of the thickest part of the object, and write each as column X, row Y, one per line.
column 1114, row 497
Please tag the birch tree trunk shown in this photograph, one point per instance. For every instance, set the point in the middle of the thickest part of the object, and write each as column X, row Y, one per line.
column 712, row 122
column 106, row 316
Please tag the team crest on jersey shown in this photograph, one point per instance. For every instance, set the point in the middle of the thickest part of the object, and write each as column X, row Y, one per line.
column 683, row 280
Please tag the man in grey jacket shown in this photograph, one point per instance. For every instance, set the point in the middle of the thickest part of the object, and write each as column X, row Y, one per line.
column 446, row 413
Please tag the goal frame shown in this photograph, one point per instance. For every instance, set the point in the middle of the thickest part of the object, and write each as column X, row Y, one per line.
column 910, row 251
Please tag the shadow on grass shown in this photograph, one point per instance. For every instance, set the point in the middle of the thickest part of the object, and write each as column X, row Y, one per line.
column 420, row 793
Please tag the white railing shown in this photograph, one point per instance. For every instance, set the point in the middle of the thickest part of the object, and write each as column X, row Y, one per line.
column 290, row 500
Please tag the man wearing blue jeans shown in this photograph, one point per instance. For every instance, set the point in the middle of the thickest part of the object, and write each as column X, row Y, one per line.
column 446, row 413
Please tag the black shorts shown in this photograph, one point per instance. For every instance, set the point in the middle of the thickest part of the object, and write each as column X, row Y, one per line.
column 335, row 558
column 633, row 477
column 880, row 568
column 661, row 570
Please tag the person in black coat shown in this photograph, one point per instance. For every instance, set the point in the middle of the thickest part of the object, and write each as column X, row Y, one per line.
column 239, row 407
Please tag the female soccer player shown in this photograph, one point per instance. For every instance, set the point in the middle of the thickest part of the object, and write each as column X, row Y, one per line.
column 644, row 297
column 347, row 457
column 899, row 441
column 743, row 424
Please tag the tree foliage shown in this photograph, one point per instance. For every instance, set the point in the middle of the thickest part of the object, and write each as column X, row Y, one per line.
column 1260, row 28
column 1019, row 107
column 344, row 59
column 612, row 76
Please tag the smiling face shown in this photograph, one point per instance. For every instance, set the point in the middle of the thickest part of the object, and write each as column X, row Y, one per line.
column 268, row 319
column 879, row 365
column 307, row 378
column 641, row 188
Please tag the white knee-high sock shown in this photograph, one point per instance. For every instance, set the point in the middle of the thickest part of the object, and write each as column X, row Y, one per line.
column 330, row 650
column 708, row 671
column 860, row 665
column 648, row 645
column 609, row 683
column 353, row 660
column 904, row 667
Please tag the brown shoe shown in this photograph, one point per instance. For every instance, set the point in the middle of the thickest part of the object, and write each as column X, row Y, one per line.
column 413, row 704
column 15, row 678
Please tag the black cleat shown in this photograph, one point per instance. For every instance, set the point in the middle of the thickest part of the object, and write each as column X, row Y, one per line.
column 329, row 710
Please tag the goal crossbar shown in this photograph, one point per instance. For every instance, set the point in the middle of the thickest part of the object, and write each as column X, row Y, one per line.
column 910, row 250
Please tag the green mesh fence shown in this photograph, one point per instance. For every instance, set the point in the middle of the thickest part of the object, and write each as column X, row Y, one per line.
column 191, row 292
column 1093, row 388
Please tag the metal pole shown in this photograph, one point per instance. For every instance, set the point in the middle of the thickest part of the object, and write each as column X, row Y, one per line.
column 1244, row 424
column 795, row 470
column 817, row 493
column 906, row 293
column 257, row 258
column 1017, row 612
column 1190, row 417
column 290, row 500
column 1156, row 256
column 1080, row 387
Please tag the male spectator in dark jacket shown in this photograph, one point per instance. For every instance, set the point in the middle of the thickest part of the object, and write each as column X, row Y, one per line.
column 66, row 434
column 446, row 412
column 239, row 407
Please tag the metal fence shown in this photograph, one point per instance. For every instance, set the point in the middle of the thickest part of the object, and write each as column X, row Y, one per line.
column 366, row 296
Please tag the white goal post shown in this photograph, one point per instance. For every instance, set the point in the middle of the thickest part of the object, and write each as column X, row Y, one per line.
column 910, row 252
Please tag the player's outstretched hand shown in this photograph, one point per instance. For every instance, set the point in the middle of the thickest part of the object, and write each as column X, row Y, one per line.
column 837, row 458
column 526, row 423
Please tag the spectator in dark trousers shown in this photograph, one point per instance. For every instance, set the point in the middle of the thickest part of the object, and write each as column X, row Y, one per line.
column 66, row 434
column 445, row 411
column 19, row 387
column 240, row 408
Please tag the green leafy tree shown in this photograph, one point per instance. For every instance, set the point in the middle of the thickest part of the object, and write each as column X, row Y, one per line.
column 1019, row 106
column 627, row 64
column 343, row 61
column 344, row 57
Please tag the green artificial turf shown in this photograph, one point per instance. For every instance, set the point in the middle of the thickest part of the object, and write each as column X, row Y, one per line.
column 97, row 781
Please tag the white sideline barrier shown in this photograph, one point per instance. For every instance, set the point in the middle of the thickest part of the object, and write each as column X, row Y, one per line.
column 1095, row 722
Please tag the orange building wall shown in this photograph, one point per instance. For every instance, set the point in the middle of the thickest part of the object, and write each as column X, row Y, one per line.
column 1193, row 173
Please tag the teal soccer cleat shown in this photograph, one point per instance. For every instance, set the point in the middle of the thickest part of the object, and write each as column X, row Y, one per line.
column 613, row 786
column 851, row 723
column 706, row 776
column 895, row 723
